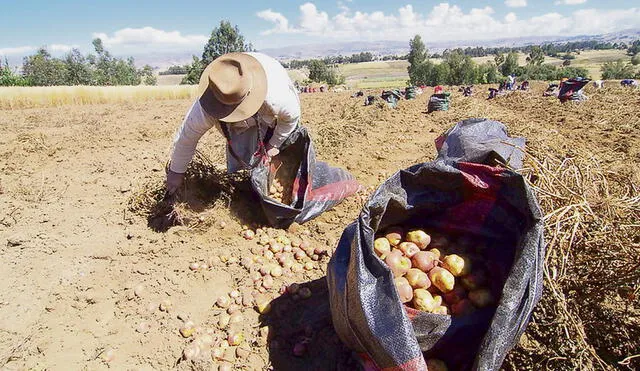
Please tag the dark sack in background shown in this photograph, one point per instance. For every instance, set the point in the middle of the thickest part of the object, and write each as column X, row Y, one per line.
column 458, row 194
column 317, row 187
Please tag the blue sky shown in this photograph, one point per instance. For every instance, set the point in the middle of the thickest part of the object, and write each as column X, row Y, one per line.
column 142, row 26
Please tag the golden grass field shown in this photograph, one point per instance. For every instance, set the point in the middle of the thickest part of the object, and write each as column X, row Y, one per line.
column 27, row 97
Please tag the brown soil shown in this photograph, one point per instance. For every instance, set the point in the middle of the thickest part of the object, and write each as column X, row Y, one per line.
column 77, row 237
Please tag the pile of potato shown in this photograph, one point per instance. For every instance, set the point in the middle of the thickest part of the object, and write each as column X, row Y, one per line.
column 433, row 274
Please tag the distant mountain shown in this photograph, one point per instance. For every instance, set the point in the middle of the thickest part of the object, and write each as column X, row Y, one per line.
column 402, row 47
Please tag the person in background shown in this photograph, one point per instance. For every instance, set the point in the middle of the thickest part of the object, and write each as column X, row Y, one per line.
column 511, row 82
column 250, row 99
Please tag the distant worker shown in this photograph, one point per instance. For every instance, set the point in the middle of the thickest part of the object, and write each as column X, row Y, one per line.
column 598, row 84
column 511, row 82
column 252, row 102
column 630, row 83
column 552, row 90
column 571, row 90
column 524, row 86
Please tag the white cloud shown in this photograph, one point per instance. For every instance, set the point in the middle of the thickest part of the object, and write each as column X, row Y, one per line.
column 280, row 21
column 446, row 22
column 150, row 39
column 570, row 2
column 515, row 3
column 18, row 50
column 60, row 48
column 54, row 49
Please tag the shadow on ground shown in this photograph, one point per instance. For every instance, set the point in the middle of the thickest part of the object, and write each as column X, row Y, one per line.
column 306, row 322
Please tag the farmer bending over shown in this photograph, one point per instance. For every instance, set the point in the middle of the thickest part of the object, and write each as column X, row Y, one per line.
column 251, row 100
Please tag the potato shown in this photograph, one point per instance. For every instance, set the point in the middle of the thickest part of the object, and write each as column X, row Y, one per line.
column 418, row 279
column 423, row 300
column 442, row 279
column 424, row 260
column 436, row 365
column 419, row 237
column 474, row 280
column 462, row 308
column 398, row 264
column 481, row 297
column 394, row 235
column 409, row 249
column 441, row 310
column 382, row 247
column 455, row 295
column 404, row 289
column 455, row 264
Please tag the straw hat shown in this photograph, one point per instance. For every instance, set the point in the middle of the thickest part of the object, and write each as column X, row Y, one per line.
column 233, row 87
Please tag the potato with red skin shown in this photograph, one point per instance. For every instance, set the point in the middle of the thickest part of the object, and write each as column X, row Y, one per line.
column 457, row 265
column 481, row 298
column 423, row 300
column 394, row 235
column 419, row 237
column 405, row 292
column 409, row 249
column 455, row 295
column 442, row 279
column 424, row 260
column 462, row 308
column 382, row 247
column 398, row 264
column 436, row 365
column 418, row 279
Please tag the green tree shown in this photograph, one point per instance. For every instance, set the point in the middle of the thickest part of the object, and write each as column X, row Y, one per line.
column 417, row 51
column 109, row 70
column 617, row 70
column 9, row 77
column 510, row 64
column 317, row 70
column 634, row 48
column 566, row 62
column 147, row 75
column 536, row 56
column 41, row 69
column 194, row 70
column 636, row 59
column 224, row 39
column 78, row 71
column 499, row 59
column 333, row 77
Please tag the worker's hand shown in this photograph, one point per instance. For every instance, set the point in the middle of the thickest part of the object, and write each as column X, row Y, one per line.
column 273, row 151
column 174, row 182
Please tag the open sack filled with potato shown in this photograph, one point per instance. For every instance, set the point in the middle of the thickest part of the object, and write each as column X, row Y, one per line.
column 443, row 267
column 297, row 188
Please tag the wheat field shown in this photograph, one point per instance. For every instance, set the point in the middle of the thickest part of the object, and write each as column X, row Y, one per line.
column 30, row 97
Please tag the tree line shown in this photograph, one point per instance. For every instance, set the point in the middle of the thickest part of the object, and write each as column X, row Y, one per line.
column 457, row 66
column 101, row 68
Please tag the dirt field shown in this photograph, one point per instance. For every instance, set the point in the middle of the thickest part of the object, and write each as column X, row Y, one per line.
column 84, row 274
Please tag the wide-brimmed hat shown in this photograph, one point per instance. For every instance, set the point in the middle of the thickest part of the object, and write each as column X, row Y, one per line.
column 438, row 89
column 233, row 87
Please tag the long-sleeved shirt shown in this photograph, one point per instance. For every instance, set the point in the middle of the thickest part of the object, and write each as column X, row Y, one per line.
column 281, row 110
